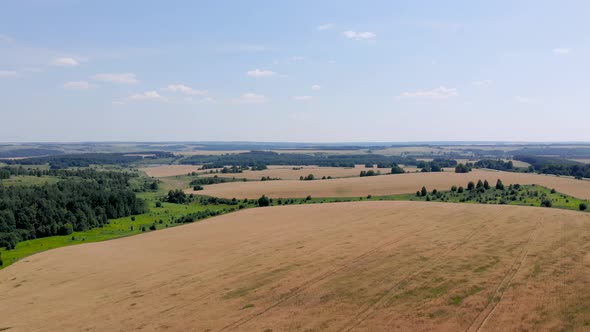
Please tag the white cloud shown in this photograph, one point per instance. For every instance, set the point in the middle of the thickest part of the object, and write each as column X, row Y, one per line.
column 122, row 78
column 482, row 83
column 8, row 73
column 316, row 87
column 303, row 98
column 147, row 96
column 66, row 62
column 437, row 93
column 77, row 85
column 187, row 90
column 260, row 73
column 251, row 98
column 359, row 35
column 326, row 26
column 562, row 51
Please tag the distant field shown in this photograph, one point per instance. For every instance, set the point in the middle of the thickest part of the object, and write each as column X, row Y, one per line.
column 209, row 152
column 289, row 173
column 389, row 184
column 585, row 161
column 170, row 170
column 336, row 267
column 323, row 151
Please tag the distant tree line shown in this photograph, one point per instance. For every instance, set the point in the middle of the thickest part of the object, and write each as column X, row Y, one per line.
column 29, row 152
column 436, row 165
column 75, row 203
column 495, row 164
column 556, row 166
column 260, row 159
column 370, row 173
column 87, row 159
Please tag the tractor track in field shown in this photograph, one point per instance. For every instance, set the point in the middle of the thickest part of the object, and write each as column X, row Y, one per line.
column 365, row 313
column 483, row 317
column 309, row 283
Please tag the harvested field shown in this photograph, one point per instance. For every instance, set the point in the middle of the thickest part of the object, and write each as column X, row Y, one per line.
column 288, row 173
column 389, row 184
column 378, row 266
column 209, row 152
column 170, row 170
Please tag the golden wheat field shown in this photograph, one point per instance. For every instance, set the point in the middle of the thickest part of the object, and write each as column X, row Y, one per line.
column 295, row 172
column 389, row 184
column 364, row 266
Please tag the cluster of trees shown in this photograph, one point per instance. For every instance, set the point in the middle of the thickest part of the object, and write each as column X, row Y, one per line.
column 309, row 177
column 211, row 180
column 436, row 165
column 87, row 159
column 395, row 169
column 176, row 196
column 370, row 173
column 463, row 168
column 495, row 164
column 75, row 203
column 232, row 169
column 556, row 166
column 259, row 159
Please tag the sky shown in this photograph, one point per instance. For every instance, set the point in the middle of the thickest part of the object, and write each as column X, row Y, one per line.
column 298, row 71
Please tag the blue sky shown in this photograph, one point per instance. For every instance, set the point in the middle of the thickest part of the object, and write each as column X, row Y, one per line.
column 306, row 71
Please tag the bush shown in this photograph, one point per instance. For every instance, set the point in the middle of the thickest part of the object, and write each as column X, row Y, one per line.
column 158, row 204
column 308, row 198
column 1, row 261
column 470, row 185
column 546, row 203
column 486, row 185
column 65, row 229
column 460, row 190
column 263, row 201
column 499, row 185
column 153, row 227
column 583, row 206
column 132, row 219
column 423, row 192
column 143, row 228
column 553, row 191
column 454, row 188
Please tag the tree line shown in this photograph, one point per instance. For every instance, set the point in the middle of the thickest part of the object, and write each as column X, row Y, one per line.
column 87, row 159
column 260, row 159
column 75, row 203
column 555, row 166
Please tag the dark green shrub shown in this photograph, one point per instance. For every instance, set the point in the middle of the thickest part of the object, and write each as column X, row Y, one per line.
column 583, row 206
column 263, row 201
column 546, row 203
